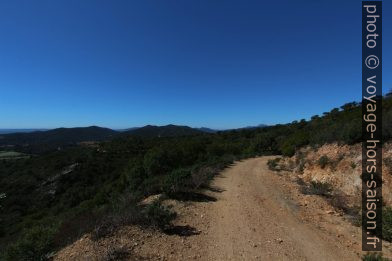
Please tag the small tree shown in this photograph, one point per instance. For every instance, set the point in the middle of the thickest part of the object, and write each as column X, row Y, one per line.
column 323, row 161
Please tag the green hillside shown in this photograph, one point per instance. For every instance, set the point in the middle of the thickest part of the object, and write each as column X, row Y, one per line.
column 151, row 131
column 38, row 142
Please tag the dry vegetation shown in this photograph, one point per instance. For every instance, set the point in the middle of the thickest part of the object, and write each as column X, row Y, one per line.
column 334, row 172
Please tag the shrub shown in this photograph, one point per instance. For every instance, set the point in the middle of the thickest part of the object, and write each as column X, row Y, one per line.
column 151, row 185
column 114, row 253
column 387, row 223
column 317, row 188
column 300, row 160
column 36, row 244
column 353, row 165
column 374, row 257
column 135, row 174
column 156, row 162
column 341, row 201
column 340, row 157
column 105, row 227
column 273, row 164
column 301, row 167
column 202, row 175
column 323, row 161
column 178, row 180
column 73, row 227
column 226, row 160
column 123, row 211
column 294, row 141
column 158, row 215
column 388, row 163
column 287, row 149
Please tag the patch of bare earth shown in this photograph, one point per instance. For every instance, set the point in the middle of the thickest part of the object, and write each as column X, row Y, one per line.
column 250, row 213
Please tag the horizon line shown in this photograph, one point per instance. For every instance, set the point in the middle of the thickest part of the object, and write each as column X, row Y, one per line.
column 125, row 128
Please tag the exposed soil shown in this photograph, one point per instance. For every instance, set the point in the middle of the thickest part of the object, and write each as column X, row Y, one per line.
column 250, row 213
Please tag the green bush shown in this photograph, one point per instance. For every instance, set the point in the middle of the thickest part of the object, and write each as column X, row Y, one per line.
column 273, row 164
column 135, row 174
column 374, row 257
column 317, row 188
column 296, row 140
column 388, row 163
column 288, row 149
column 159, row 216
column 116, row 253
column 36, row 244
column 323, row 161
column 387, row 223
column 151, row 185
column 156, row 162
column 353, row 165
column 178, row 180
column 202, row 175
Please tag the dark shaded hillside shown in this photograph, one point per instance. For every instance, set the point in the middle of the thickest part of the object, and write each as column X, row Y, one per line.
column 207, row 130
column 8, row 131
column 35, row 142
column 151, row 131
column 255, row 127
column 44, row 141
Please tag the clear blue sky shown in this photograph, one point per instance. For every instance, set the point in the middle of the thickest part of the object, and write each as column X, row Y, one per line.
column 218, row 64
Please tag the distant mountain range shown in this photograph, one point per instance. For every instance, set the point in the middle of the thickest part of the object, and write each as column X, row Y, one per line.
column 6, row 131
column 208, row 130
column 163, row 131
column 203, row 129
column 254, row 127
column 60, row 137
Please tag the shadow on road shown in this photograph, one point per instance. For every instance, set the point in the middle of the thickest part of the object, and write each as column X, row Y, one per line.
column 184, row 231
column 192, row 196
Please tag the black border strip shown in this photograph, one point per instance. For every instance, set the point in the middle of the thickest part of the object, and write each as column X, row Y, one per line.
column 371, row 125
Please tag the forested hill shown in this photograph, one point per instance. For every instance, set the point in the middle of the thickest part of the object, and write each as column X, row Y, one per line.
column 170, row 130
column 48, row 200
column 38, row 141
column 59, row 135
column 43, row 141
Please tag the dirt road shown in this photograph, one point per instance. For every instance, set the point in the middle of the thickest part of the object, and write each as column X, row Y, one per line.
column 250, row 213
column 254, row 218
